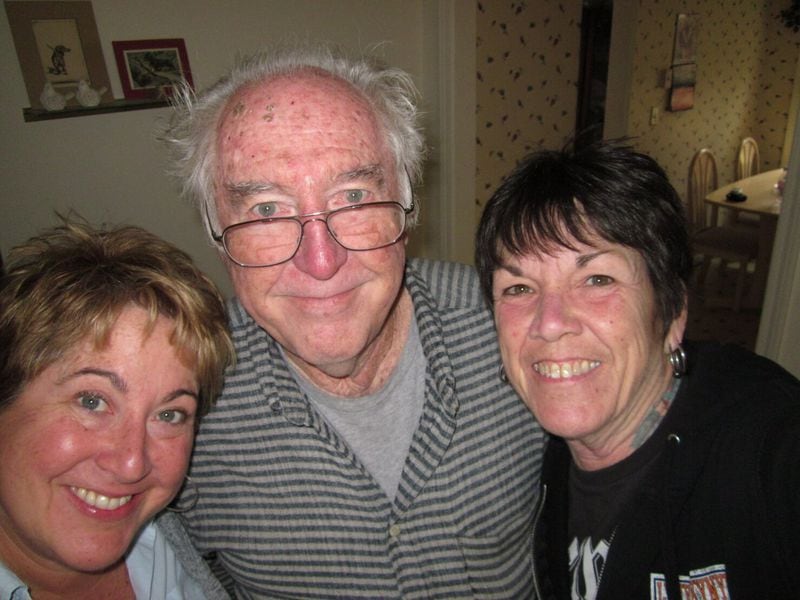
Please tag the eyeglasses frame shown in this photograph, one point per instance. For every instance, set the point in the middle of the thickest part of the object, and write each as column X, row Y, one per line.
column 320, row 215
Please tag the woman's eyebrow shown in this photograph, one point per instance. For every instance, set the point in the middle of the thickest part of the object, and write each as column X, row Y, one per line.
column 120, row 384
column 584, row 259
column 513, row 269
column 112, row 377
column 181, row 392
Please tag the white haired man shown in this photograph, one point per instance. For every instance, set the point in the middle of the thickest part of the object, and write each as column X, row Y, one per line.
column 364, row 445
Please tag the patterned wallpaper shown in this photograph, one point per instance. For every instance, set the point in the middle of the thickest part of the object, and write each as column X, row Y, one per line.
column 745, row 69
column 527, row 77
column 527, row 71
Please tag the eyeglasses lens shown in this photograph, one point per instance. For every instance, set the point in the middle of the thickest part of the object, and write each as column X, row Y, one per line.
column 367, row 227
column 265, row 243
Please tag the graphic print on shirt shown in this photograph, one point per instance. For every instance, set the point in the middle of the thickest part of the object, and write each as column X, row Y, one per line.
column 586, row 562
column 708, row 583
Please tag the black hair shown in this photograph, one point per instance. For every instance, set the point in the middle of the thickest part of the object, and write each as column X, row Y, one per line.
column 604, row 189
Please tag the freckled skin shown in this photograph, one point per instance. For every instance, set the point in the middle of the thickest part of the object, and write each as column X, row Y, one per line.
column 340, row 315
column 566, row 308
column 50, row 442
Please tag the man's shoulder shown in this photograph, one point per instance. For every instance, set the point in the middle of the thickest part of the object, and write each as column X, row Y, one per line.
column 238, row 317
column 451, row 285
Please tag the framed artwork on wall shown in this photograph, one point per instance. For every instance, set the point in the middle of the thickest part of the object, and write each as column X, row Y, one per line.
column 684, row 48
column 682, row 92
column 57, row 44
column 684, row 67
column 150, row 68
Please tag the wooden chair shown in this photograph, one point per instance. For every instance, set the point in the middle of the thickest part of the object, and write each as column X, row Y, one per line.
column 709, row 239
column 748, row 163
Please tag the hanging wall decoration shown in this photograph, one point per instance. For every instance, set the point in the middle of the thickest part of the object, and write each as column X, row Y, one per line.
column 684, row 65
column 58, row 47
column 150, row 68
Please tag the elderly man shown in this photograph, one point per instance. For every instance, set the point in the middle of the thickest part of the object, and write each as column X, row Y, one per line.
column 365, row 444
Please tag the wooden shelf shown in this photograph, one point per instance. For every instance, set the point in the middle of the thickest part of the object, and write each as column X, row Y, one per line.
column 40, row 114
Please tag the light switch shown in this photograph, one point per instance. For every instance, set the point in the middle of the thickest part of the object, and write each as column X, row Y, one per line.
column 654, row 114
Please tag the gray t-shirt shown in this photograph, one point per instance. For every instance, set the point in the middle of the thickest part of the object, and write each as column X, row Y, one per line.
column 379, row 427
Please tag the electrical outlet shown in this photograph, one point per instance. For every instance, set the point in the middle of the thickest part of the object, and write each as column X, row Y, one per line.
column 654, row 115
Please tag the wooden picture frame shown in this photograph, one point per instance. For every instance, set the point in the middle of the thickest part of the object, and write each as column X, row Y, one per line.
column 150, row 68
column 57, row 43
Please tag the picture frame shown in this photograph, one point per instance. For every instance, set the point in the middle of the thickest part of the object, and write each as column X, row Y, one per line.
column 683, row 76
column 684, row 50
column 682, row 90
column 150, row 68
column 56, row 43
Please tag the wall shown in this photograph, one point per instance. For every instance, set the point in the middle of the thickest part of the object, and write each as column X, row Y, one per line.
column 110, row 168
column 747, row 63
column 527, row 80
column 745, row 70
column 527, row 65
column 527, row 70
column 779, row 334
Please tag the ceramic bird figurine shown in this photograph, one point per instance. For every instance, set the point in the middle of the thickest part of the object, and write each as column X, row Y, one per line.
column 53, row 100
column 88, row 96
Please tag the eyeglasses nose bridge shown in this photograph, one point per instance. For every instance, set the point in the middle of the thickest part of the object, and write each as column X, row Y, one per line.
column 323, row 218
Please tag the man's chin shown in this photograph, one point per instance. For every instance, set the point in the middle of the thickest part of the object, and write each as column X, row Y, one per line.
column 336, row 363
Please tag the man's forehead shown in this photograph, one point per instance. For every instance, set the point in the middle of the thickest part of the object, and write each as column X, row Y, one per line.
column 301, row 132
column 305, row 93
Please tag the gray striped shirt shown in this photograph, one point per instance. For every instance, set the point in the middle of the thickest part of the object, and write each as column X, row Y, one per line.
column 292, row 513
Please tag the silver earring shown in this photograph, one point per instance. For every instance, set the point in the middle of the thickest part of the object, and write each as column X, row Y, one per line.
column 677, row 359
column 192, row 491
column 503, row 376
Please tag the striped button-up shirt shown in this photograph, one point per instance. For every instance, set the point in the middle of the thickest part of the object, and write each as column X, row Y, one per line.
column 290, row 512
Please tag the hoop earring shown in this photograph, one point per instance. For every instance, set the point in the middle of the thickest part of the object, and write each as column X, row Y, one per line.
column 677, row 359
column 188, row 484
column 503, row 376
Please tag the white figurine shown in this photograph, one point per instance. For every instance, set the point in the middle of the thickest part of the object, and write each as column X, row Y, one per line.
column 88, row 96
column 51, row 99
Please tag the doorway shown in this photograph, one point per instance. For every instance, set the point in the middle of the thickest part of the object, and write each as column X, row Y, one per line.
column 593, row 75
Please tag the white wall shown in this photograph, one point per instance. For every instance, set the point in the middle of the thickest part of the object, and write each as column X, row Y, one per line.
column 110, row 168
column 779, row 333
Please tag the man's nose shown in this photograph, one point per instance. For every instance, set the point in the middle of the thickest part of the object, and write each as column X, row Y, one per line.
column 319, row 254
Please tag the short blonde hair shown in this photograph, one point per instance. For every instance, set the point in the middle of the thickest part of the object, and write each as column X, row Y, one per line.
column 72, row 282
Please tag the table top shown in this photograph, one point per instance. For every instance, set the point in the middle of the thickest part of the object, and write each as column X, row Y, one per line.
column 762, row 197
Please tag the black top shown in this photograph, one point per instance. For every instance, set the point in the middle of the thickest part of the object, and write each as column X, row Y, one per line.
column 719, row 506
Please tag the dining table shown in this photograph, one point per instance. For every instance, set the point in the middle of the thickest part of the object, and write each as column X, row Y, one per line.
column 763, row 199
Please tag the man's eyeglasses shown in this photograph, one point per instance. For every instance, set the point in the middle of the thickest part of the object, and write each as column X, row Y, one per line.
column 275, row 240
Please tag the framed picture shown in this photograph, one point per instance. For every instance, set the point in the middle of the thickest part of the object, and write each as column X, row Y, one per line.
column 149, row 68
column 684, row 68
column 684, row 50
column 56, row 43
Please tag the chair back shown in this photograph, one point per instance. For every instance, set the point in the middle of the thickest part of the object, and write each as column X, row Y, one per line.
column 702, row 180
column 749, row 161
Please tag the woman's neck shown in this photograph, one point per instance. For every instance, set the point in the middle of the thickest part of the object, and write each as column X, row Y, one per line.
column 111, row 583
column 617, row 445
column 47, row 579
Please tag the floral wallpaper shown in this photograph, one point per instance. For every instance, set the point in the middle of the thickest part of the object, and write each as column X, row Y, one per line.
column 527, row 73
column 745, row 69
column 527, row 81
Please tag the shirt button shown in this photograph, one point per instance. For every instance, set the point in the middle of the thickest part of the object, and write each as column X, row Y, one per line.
column 394, row 530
